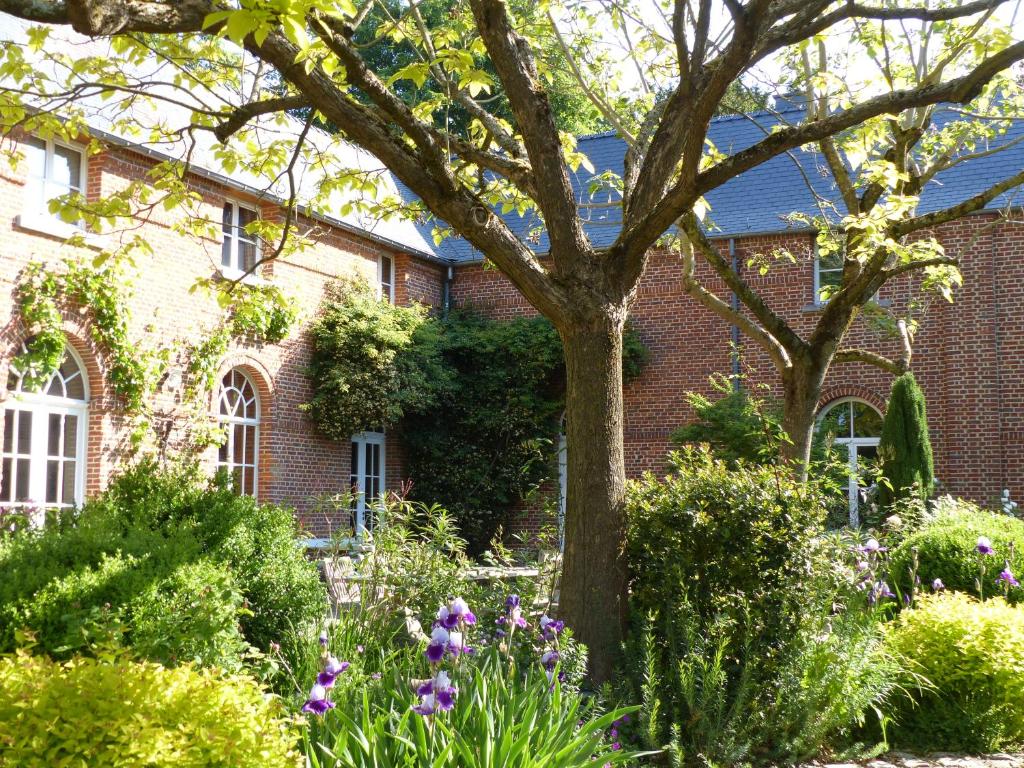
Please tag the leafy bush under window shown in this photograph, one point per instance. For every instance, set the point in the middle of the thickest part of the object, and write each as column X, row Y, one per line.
column 750, row 644
column 189, row 570
column 87, row 711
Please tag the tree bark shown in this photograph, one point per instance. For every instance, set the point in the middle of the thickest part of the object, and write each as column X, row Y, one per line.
column 594, row 579
column 802, row 389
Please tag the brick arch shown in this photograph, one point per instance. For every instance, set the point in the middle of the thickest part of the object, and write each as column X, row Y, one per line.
column 102, row 398
column 259, row 375
column 852, row 390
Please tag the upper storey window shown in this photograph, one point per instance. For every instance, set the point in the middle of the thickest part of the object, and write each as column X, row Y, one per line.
column 386, row 276
column 54, row 169
column 828, row 275
column 241, row 248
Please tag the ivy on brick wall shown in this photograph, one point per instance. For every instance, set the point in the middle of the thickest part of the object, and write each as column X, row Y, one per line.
column 102, row 290
column 476, row 403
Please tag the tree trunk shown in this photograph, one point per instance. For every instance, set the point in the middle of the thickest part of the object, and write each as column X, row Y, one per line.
column 802, row 388
column 593, row 589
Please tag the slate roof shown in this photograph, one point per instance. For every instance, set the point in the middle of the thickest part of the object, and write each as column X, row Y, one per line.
column 755, row 203
column 758, row 201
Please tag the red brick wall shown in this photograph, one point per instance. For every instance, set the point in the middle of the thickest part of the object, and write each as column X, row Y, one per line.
column 295, row 463
column 968, row 356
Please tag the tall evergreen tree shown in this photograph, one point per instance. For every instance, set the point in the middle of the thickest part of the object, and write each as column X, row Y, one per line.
column 905, row 448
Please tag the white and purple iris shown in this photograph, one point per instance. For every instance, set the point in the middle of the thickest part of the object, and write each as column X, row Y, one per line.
column 513, row 616
column 332, row 669
column 871, row 547
column 455, row 613
column 317, row 703
column 984, row 546
column 438, row 645
column 436, row 695
column 550, row 628
column 938, row 586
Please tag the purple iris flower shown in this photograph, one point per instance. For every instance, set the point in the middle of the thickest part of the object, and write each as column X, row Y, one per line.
column 332, row 669
column 549, row 660
column 1008, row 578
column 512, row 601
column 938, row 586
column 984, row 546
column 550, row 628
column 323, row 639
column 438, row 645
column 436, row 694
column 882, row 590
column 871, row 547
column 449, row 616
column 317, row 703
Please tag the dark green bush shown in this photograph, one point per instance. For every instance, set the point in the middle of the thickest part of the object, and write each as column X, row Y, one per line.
column 972, row 656
column 88, row 711
column 161, row 537
column 946, row 549
column 905, row 450
column 749, row 641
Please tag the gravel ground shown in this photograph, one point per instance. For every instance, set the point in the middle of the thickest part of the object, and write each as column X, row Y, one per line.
column 900, row 760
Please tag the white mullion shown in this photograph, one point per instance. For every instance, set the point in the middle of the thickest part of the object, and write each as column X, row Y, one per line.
column 38, row 462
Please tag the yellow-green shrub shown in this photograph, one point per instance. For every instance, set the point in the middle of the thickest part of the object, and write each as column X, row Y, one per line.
column 972, row 653
column 89, row 711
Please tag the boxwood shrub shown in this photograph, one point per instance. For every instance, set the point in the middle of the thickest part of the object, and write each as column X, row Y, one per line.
column 87, row 711
column 972, row 654
column 946, row 549
column 189, row 571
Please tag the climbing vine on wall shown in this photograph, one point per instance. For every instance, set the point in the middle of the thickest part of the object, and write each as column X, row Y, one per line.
column 259, row 313
column 475, row 402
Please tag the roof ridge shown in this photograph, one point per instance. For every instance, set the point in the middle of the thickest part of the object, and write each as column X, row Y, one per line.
column 716, row 119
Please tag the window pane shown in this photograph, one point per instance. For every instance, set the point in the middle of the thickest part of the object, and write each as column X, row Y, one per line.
column 239, row 445
column 53, row 435
column 67, row 168
column 246, row 255
column 52, row 477
column 222, row 452
column 70, row 436
column 226, row 228
column 21, row 480
column 236, row 479
column 837, row 421
column 250, row 475
column 56, row 387
column 24, row 432
column 8, row 430
column 68, row 489
column 34, row 150
column 866, row 421
column 5, row 480
column 250, row 445
column 246, row 216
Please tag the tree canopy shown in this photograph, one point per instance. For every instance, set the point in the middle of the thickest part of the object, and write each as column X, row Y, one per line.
column 223, row 79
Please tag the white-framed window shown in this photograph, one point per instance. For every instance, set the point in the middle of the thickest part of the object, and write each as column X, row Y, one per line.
column 386, row 278
column 828, row 274
column 42, row 456
column 854, row 427
column 240, row 249
column 238, row 413
column 366, row 478
column 55, row 168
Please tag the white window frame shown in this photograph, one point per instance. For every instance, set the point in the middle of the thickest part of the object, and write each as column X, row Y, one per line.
column 230, row 422
column 358, row 488
column 851, row 445
column 41, row 406
column 388, row 295
column 35, row 212
column 236, row 269
column 818, row 300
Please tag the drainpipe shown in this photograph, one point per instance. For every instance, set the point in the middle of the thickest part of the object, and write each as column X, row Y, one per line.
column 446, row 291
column 735, row 329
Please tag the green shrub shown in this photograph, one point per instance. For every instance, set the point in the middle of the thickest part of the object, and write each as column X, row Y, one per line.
column 154, row 543
column 972, row 654
column 946, row 549
column 85, row 711
column 905, row 449
column 749, row 641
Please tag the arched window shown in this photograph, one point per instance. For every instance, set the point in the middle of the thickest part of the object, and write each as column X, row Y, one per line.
column 44, row 438
column 854, row 427
column 238, row 412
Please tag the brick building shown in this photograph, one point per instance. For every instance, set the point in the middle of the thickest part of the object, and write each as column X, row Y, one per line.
column 61, row 445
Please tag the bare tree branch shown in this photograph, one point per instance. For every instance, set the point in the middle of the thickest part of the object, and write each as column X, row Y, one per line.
column 243, row 114
column 970, row 205
column 854, row 355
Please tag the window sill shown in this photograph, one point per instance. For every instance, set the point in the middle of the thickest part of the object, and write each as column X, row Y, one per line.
column 810, row 308
column 45, row 224
column 229, row 273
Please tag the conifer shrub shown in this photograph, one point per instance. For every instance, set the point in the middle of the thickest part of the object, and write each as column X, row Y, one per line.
column 905, row 450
